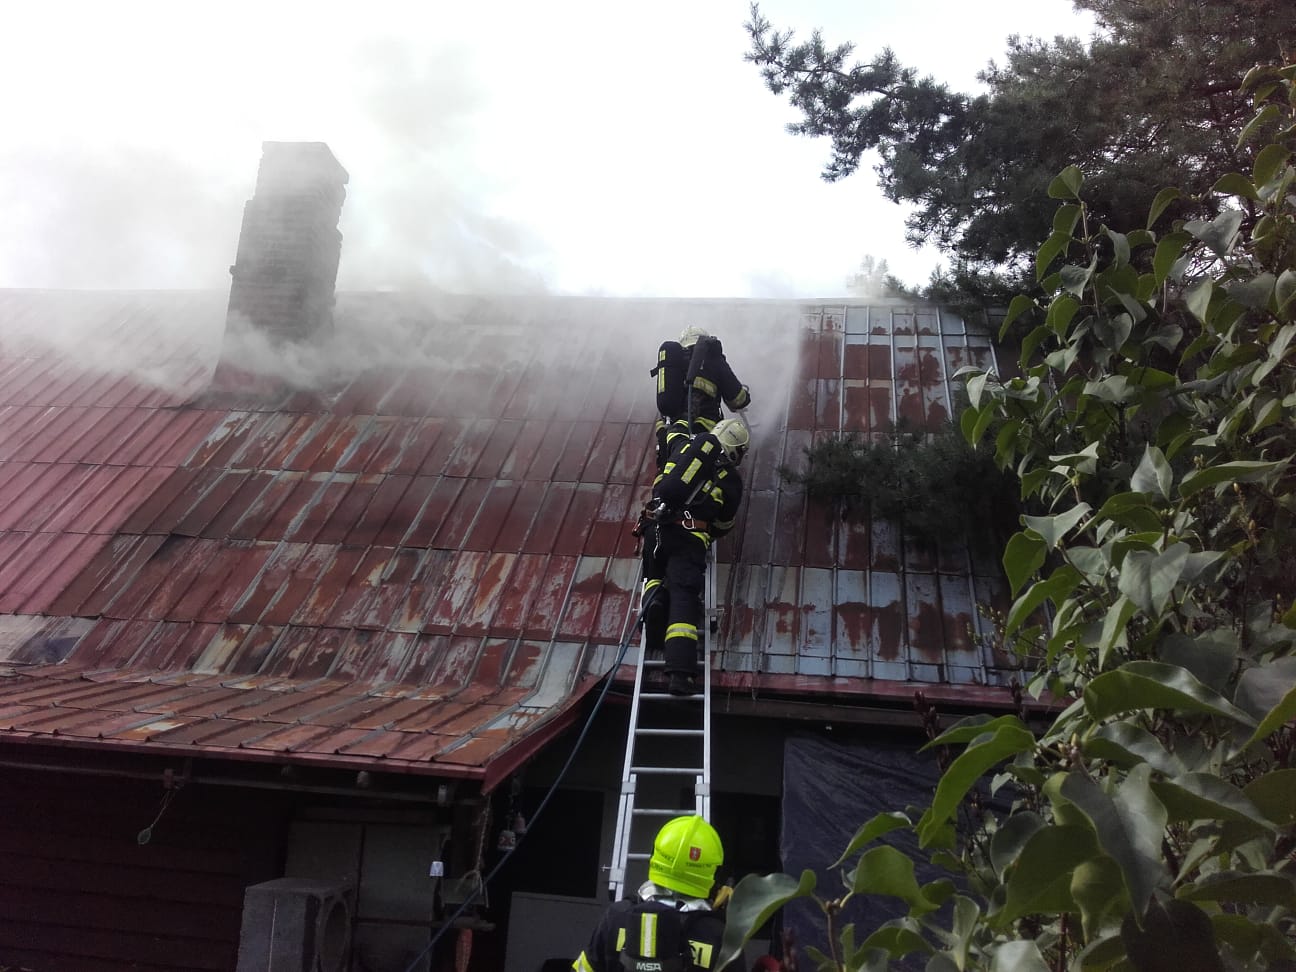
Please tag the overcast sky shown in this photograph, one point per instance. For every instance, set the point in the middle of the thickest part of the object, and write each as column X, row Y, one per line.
column 574, row 146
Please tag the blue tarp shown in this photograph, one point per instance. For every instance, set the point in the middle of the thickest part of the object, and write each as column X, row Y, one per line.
column 832, row 787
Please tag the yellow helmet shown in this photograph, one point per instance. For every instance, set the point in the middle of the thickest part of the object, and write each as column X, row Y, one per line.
column 689, row 336
column 734, row 438
column 685, row 856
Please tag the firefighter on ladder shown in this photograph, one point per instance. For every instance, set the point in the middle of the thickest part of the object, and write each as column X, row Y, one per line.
column 694, row 501
column 693, row 378
column 671, row 927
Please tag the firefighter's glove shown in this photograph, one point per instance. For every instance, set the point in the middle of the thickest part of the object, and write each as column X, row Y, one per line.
column 722, row 897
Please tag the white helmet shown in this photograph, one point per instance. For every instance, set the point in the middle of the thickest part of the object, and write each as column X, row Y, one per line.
column 733, row 437
column 689, row 336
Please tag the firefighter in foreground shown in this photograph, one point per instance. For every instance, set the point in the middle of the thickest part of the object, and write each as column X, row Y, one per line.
column 693, row 378
column 694, row 500
column 671, row 927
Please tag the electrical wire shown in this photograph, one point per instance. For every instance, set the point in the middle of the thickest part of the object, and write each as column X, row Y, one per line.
column 562, row 773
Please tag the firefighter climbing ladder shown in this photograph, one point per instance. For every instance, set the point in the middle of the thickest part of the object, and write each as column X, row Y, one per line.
column 668, row 748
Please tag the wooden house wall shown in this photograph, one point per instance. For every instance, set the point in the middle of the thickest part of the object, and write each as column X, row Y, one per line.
column 80, row 893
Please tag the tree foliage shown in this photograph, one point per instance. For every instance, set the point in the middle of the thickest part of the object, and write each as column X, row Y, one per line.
column 1140, row 106
column 933, row 483
column 1153, row 823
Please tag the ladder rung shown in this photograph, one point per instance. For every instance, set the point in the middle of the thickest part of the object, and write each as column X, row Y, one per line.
column 667, row 770
column 646, row 812
column 670, row 732
column 636, row 856
column 673, row 698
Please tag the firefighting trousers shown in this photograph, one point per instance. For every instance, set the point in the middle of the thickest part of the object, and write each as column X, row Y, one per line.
column 674, row 570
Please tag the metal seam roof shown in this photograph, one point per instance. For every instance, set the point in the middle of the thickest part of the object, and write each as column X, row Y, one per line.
column 470, row 497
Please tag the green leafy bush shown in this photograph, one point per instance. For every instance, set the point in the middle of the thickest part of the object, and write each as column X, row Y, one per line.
column 1153, row 823
column 935, row 484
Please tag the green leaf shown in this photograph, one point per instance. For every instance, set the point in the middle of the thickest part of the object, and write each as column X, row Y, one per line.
column 940, row 962
column 1065, row 219
column 1086, row 460
column 897, row 940
column 970, row 729
column 1132, row 510
column 1140, row 685
column 1053, row 528
column 1090, row 561
column 1005, row 440
column 1277, row 351
column 1113, row 630
column 1018, row 956
column 1153, row 473
column 1269, row 163
column 1011, row 837
column 1031, row 341
column 1197, row 299
column 1275, row 795
column 1268, row 411
column 975, row 387
column 1130, row 824
column 1019, row 305
column 1060, row 584
column 1235, row 184
column 754, row 901
column 1039, row 883
column 1211, row 656
column 1112, row 388
column 1076, row 279
column 1247, row 938
column 1284, row 290
column 1242, row 471
column 1007, row 740
column 1022, row 557
column 983, row 421
column 1066, row 184
column 1218, row 233
column 1253, row 293
column 886, row 870
column 1265, row 116
column 1163, row 199
column 1099, row 891
column 1268, row 692
column 1049, row 251
column 1167, row 336
column 1137, row 312
column 1205, row 796
column 882, row 823
column 1061, row 311
column 1120, row 247
column 1101, row 954
column 1148, row 579
column 1127, row 745
column 1262, row 889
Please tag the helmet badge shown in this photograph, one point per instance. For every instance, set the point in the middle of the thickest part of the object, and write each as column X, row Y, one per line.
column 695, row 853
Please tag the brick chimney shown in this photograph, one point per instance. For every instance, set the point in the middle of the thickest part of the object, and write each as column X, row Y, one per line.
column 289, row 246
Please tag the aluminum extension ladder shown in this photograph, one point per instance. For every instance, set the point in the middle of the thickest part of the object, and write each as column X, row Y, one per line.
column 668, row 751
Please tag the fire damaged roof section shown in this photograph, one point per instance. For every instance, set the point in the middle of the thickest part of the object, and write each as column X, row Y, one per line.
column 410, row 542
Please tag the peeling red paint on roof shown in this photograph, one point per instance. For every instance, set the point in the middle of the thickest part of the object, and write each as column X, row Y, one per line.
column 438, row 525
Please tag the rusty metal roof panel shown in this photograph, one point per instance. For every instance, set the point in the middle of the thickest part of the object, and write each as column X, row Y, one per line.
column 443, row 523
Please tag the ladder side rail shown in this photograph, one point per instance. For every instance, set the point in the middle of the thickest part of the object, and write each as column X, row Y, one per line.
column 625, row 809
column 626, row 799
column 703, row 785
